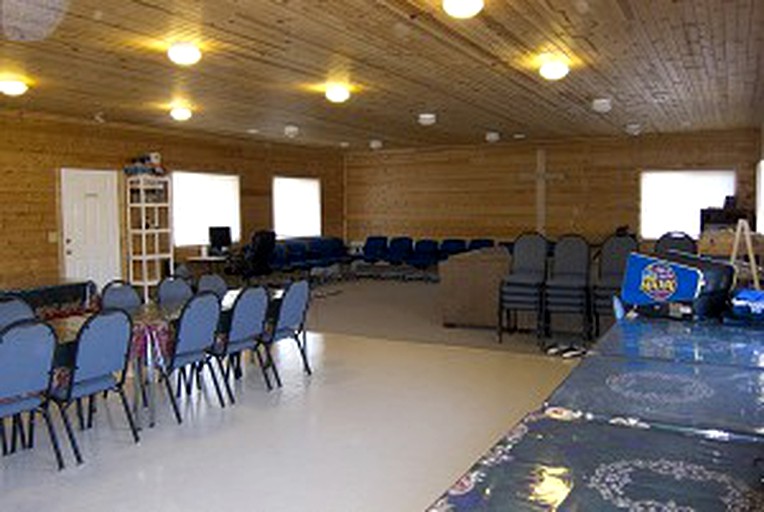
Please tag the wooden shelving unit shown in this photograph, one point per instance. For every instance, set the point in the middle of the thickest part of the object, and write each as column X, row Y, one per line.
column 149, row 230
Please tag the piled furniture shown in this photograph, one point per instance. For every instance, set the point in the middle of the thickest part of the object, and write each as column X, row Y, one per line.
column 612, row 263
column 567, row 290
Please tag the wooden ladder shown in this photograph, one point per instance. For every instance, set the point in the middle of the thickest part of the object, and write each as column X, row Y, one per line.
column 744, row 231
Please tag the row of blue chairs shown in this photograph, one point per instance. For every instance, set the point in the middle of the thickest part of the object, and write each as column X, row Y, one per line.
column 307, row 253
column 420, row 254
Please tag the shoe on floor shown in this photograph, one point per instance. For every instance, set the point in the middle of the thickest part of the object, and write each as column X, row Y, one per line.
column 572, row 352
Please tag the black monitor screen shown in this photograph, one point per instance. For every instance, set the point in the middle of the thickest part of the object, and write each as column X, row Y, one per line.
column 220, row 237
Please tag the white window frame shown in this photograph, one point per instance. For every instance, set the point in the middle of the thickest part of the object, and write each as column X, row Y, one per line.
column 676, row 191
column 203, row 210
column 312, row 224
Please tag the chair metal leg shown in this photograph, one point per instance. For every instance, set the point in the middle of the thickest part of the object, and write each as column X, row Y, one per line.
column 171, row 396
column 70, row 433
column 263, row 368
column 30, row 437
column 214, row 378
column 2, row 437
column 179, row 383
column 227, row 384
column 303, row 347
column 199, row 367
column 80, row 414
column 128, row 413
column 91, row 410
column 53, row 437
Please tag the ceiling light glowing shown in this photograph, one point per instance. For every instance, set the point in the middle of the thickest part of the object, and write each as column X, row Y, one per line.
column 427, row 119
column 492, row 137
column 553, row 67
column 463, row 9
column 337, row 93
column 181, row 113
column 13, row 87
column 184, row 54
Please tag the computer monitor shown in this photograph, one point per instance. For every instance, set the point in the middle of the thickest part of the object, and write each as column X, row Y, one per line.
column 220, row 239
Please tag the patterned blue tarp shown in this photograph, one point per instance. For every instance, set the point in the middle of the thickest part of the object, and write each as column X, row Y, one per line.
column 707, row 342
column 545, row 464
column 667, row 394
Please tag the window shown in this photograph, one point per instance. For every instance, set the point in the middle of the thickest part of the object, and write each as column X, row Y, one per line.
column 202, row 200
column 672, row 200
column 296, row 207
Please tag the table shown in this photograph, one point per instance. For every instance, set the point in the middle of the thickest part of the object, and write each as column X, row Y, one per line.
column 151, row 343
column 547, row 464
column 661, row 415
column 52, row 297
column 210, row 261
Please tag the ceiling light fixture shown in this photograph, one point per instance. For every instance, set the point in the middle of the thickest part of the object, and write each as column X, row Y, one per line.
column 463, row 9
column 492, row 137
column 427, row 118
column 184, row 54
column 291, row 131
column 344, row 145
column 253, row 131
column 181, row 114
column 633, row 129
column 375, row 144
column 337, row 93
column 519, row 136
column 553, row 67
column 13, row 87
column 602, row 105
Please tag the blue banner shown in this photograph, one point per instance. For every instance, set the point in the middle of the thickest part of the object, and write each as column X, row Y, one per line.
column 651, row 280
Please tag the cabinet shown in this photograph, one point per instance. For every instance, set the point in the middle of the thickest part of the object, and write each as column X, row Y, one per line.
column 149, row 230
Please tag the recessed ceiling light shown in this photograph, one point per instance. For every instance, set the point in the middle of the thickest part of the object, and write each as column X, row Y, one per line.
column 337, row 93
column 344, row 145
column 633, row 129
column 184, row 54
column 553, row 67
column 463, row 9
column 492, row 136
column 13, row 87
column 519, row 136
column 181, row 113
column 253, row 131
column 375, row 144
column 602, row 105
column 428, row 119
column 291, row 131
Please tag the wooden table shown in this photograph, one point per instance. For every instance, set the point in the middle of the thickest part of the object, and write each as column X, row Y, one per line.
column 210, row 261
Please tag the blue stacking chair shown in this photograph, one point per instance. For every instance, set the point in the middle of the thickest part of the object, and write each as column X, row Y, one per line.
column 14, row 309
column 318, row 252
column 425, row 254
column 174, row 292
column 248, row 323
column 522, row 289
column 194, row 340
column 451, row 247
column 375, row 249
column 337, row 251
column 26, row 357
column 480, row 243
column 120, row 295
column 278, row 259
column 297, row 254
column 291, row 324
column 213, row 283
column 103, row 353
column 400, row 250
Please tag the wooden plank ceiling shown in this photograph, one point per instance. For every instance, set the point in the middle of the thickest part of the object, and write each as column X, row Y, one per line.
column 670, row 65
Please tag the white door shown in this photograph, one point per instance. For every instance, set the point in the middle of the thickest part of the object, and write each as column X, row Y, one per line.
column 89, row 209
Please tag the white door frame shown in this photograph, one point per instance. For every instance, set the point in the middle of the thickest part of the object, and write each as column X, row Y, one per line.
column 114, row 226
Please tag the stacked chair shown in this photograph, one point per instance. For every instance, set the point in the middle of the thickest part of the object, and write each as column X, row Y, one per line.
column 567, row 290
column 612, row 265
column 375, row 249
column 213, row 283
column 452, row 247
column 425, row 254
column 400, row 250
column 480, row 243
column 522, row 289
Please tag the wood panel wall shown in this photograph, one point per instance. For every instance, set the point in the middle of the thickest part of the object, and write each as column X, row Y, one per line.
column 587, row 186
column 32, row 150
